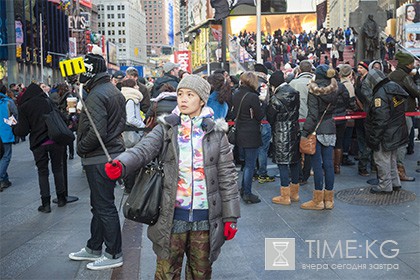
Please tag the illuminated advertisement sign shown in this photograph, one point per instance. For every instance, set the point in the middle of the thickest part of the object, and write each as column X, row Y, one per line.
column 184, row 58
column 270, row 23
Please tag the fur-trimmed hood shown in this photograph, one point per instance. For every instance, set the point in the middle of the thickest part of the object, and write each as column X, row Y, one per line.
column 208, row 124
column 316, row 89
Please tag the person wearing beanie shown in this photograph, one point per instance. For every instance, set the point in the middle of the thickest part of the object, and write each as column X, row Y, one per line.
column 283, row 115
column 386, row 129
column 170, row 76
column 200, row 199
column 106, row 106
column 363, row 96
column 321, row 102
column 300, row 83
column 403, row 76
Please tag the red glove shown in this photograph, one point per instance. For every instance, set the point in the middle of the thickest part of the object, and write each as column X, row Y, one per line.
column 113, row 169
column 230, row 230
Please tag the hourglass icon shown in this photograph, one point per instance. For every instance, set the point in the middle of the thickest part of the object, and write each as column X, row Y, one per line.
column 280, row 247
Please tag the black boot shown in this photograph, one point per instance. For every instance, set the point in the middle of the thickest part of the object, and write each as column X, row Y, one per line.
column 61, row 200
column 347, row 161
column 46, row 205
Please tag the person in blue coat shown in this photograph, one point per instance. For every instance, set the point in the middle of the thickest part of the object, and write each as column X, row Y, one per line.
column 220, row 93
column 7, row 109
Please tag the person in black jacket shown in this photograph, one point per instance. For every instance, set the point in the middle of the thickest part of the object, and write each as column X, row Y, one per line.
column 283, row 115
column 33, row 105
column 106, row 105
column 321, row 101
column 248, row 134
column 342, row 103
column 386, row 128
column 170, row 76
column 402, row 76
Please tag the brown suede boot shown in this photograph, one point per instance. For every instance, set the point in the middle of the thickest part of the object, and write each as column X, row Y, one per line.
column 294, row 192
column 329, row 199
column 403, row 175
column 317, row 202
column 338, row 156
column 284, row 198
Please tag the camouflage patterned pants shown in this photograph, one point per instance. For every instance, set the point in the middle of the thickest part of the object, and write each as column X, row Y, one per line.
column 196, row 245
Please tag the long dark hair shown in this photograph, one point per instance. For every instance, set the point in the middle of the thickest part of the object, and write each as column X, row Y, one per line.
column 218, row 83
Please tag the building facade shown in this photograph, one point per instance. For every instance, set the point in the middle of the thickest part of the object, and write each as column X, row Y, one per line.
column 123, row 23
column 162, row 25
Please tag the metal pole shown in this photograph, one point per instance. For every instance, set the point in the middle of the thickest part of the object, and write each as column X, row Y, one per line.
column 259, row 31
column 41, row 39
column 12, row 69
column 208, row 54
column 224, row 38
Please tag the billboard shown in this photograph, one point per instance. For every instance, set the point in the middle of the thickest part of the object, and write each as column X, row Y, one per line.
column 408, row 27
column 270, row 23
column 184, row 58
column 278, row 6
column 112, row 53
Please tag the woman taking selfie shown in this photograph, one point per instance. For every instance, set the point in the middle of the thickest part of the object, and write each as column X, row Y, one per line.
column 200, row 201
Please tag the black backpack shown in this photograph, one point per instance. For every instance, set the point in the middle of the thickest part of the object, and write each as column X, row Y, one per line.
column 57, row 127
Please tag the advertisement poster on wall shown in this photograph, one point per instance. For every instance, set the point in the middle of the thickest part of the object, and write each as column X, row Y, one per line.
column 408, row 27
column 184, row 58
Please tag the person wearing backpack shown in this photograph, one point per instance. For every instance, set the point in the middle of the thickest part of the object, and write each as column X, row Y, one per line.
column 7, row 109
column 34, row 104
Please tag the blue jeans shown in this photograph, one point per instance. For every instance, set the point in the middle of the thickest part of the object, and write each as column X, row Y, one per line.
column 105, row 223
column 321, row 161
column 250, row 157
column 286, row 177
column 4, row 161
column 263, row 150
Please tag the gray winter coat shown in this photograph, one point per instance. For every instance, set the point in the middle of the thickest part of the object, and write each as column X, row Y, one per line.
column 221, row 179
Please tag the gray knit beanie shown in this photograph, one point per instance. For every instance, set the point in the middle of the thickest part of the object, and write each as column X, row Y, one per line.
column 196, row 84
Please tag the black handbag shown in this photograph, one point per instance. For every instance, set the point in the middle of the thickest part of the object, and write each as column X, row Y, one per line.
column 231, row 135
column 57, row 127
column 143, row 202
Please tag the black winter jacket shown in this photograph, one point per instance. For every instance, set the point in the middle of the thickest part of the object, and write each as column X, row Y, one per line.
column 343, row 101
column 385, row 121
column 163, row 106
column 165, row 79
column 248, row 124
column 321, row 93
column 402, row 77
column 106, row 105
column 283, row 115
column 33, row 105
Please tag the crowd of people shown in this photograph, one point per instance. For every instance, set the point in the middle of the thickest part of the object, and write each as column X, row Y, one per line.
column 183, row 117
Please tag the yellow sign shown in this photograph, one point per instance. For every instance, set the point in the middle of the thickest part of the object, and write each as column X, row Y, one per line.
column 71, row 67
column 19, row 52
column 49, row 58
